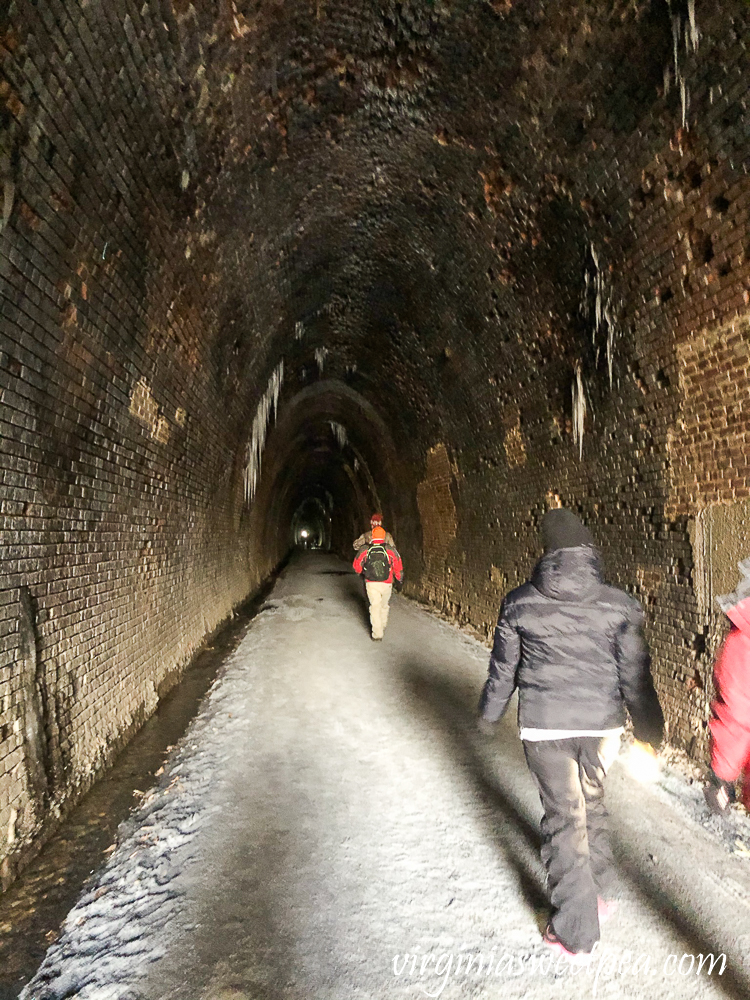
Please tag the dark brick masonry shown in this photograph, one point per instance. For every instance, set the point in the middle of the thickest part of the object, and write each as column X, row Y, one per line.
column 408, row 241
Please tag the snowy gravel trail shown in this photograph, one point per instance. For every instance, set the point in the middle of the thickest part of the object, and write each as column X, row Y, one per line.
column 332, row 827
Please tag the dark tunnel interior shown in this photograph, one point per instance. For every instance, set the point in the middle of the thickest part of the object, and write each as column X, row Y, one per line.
column 328, row 466
column 268, row 267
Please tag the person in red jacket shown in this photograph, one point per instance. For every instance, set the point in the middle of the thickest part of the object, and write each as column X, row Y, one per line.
column 380, row 565
column 730, row 725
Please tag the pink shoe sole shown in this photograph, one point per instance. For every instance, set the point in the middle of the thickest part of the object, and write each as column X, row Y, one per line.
column 573, row 957
column 606, row 908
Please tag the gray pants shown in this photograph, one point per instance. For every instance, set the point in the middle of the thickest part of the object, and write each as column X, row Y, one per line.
column 569, row 774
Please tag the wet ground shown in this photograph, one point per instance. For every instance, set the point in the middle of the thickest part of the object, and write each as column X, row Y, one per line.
column 332, row 826
column 33, row 909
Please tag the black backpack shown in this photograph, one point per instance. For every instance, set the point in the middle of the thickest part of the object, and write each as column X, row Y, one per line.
column 377, row 566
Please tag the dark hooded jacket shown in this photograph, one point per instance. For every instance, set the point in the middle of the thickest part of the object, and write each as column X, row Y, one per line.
column 574, row 648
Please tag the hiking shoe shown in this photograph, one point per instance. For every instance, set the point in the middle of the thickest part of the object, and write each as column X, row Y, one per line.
column 554, row 943
column 606, row 908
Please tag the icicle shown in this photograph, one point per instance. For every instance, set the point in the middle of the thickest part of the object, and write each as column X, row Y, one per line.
column 610, row 345
column 339, row 432
column 321, row 353
column 598, row 291
column 685, row 99
column 579, row 409
column 299, row 330
column 268, row 404
column 597, row 286
column 585, row 305
column 694, row 34
column 691, row 36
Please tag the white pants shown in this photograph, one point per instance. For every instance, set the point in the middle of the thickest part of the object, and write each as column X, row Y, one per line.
column 378, row 594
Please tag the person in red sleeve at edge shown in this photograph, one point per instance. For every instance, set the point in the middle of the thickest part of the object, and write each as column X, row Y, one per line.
column 574, row 647
column 380, row 565
column 730, row 725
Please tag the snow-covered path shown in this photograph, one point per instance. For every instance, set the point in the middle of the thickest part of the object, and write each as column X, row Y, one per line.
column 332, row 813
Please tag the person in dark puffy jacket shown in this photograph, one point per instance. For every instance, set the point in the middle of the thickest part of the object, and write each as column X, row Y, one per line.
column 574, row 648
column 730, row 725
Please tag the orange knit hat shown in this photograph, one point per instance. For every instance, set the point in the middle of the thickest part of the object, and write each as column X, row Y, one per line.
column 378, row 535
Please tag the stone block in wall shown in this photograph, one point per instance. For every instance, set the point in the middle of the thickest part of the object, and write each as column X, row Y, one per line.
column 720, row 537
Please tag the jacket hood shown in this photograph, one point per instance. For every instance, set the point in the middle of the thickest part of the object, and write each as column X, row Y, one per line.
column 736, row 606
column 572, row 574
column 739, row 615
column 561, row 529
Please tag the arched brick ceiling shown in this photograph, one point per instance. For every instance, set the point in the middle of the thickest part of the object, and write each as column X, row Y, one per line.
column 394, row 176
column 411, row 187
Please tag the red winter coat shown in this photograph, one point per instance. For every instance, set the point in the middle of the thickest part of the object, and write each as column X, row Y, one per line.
column 730, row 727
column 397, row 568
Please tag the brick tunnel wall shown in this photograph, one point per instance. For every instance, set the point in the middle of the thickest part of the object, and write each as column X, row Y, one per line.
column 122, row 499
column 474, row 217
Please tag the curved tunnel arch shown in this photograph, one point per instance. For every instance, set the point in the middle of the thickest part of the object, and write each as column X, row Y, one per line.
column 311, row 524
column 328, row 440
